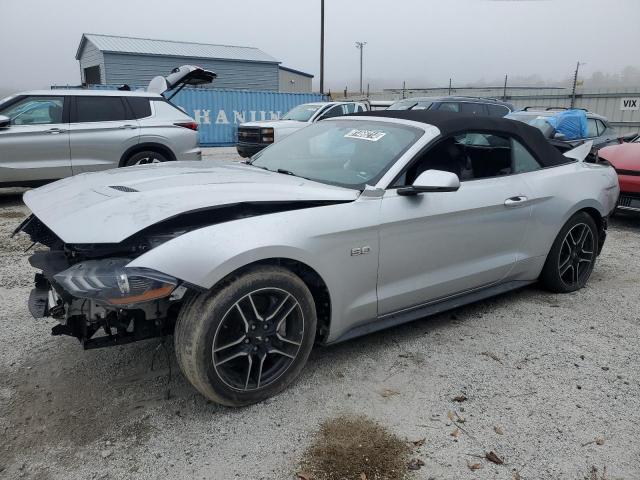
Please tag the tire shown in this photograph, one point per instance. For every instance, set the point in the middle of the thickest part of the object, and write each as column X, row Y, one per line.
column 143, row 158
column 572, row 255
column 247, row 339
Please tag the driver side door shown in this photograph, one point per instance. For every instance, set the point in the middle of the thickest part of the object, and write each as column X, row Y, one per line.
column 435, row 245
column 34, row 148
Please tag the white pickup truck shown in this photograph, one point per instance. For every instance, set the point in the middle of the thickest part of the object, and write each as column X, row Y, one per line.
column 254, row 136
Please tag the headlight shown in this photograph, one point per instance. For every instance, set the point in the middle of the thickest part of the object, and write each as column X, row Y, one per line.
column 111, row 282
column 267, row 135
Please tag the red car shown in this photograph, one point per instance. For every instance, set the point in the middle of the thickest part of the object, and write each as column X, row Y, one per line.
column 625, row 158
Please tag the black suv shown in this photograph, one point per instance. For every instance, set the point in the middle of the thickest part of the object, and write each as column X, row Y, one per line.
column 470, row 105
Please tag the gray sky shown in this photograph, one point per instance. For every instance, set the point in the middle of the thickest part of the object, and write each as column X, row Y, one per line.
column 422, row 42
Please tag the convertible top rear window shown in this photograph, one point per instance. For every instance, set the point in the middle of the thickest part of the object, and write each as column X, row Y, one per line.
column 347, row 153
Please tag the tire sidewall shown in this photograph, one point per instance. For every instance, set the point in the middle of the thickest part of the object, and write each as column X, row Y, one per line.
column 213, row 311
column 551, row 273
column 131, row 161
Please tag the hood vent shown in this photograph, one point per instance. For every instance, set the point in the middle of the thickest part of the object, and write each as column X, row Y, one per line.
column 122, row 188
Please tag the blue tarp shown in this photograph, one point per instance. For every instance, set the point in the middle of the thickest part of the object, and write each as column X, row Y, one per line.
column 571, row 123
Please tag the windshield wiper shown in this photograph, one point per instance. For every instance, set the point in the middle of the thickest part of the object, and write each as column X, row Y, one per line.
column 286, row 172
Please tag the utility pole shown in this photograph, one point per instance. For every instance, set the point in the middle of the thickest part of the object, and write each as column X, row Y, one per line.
column 360, row 46
column 575, row 83
column 449, row 86
column 321, row 46
column 504, row 92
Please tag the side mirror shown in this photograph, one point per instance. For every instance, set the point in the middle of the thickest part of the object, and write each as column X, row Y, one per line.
column 4, row 121
column 559, row 136
column 432, row 181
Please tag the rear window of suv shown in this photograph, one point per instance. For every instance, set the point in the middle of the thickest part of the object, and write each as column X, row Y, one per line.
column 140, row 106
column 497, row 110
column 100, row 109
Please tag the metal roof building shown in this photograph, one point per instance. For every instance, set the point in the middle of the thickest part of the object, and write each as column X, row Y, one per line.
column 113, row 60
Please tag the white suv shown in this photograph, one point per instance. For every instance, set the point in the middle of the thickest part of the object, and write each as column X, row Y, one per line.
column 51, row 134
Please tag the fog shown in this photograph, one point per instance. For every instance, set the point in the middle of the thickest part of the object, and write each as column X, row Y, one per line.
column 421, row 42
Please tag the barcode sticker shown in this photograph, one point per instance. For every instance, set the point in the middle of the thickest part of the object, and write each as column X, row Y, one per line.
column 371, row 135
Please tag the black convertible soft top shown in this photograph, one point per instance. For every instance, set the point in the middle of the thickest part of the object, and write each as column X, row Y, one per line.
column 450, row 123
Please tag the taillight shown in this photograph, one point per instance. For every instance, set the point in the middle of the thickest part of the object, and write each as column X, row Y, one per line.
column 190, row 125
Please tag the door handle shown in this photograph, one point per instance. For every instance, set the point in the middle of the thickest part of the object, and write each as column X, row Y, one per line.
column 54, row 131
column 128, row 126
column 515, row 201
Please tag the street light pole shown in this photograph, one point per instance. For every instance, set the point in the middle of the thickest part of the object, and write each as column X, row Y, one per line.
column 360, row 46
column 321, row 46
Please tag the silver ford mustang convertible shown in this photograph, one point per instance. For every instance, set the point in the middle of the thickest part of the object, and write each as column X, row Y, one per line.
column 348, row 226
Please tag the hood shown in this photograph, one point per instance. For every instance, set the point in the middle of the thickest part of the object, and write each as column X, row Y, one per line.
column 110, row 206
column 625, row 156
column 275, row 124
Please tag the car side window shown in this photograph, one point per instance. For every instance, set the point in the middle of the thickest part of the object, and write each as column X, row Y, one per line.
column 523, row 161
column 592, row 128
column 497, row 110
column 601, row 127
column 140, row 106
column 99, row 109
column 350, row 107
column 335, row 111
column 473, row 108
column 449, row 106
column 40, row 110
column 471, row 156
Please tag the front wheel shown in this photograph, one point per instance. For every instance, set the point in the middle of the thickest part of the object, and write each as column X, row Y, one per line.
column 572, row 256
column 144, row 158
column 247, row 339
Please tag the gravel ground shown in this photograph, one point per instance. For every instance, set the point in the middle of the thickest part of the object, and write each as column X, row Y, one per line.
column 552, row 386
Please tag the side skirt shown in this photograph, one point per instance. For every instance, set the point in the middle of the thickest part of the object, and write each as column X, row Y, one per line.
column 429, row 309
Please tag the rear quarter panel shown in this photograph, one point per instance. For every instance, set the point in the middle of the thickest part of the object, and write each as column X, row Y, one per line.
column 558, row 193
column 159, row 128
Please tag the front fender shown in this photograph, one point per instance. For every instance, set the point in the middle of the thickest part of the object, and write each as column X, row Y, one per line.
column 322, row 238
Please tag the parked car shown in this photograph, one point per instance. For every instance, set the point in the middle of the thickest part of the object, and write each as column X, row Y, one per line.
column 469, row 105
column 625, row 158
column 598, row 128
column 380, row 104
column 348, row 226
column 254, row 136
column 51, row 134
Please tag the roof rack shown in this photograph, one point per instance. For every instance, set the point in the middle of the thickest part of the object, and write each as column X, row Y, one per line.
column 548, row 109
column 477, row 98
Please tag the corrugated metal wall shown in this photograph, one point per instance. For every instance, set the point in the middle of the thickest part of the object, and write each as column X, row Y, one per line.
column 294, row 82
column 140, row 69
column 219, row 112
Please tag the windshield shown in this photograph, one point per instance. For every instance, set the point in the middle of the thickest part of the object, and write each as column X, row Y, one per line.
column 302, row 113
column 347, row 153
column 6, row 100
column 535, row 120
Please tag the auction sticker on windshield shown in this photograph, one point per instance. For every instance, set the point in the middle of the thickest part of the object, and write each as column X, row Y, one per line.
column 371, row 135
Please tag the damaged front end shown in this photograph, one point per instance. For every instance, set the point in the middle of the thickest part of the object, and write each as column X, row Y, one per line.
column 89, row 289
column 92, row 293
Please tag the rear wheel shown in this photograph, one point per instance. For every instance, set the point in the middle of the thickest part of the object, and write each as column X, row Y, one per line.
column 572, row 256
column 143, row 158
column 248, row 339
